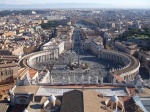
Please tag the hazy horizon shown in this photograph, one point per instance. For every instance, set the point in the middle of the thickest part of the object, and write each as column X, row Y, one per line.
column 145, row 4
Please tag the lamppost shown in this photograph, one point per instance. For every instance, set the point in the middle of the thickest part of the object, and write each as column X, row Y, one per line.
column 71, row 47
column 78, row 59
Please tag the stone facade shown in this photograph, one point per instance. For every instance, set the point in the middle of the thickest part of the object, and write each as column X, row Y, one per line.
column 53, row 45
column 127, row 47
column 7, row 71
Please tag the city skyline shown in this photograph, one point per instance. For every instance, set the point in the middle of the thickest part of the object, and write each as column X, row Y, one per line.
column 94, row 3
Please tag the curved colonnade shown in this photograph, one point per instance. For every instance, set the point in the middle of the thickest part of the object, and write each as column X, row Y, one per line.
column 41, row 57
column 130, row 64
column 128, row 72
column 32, row 59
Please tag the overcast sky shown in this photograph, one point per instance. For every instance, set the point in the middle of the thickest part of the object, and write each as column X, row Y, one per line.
column 124, row 3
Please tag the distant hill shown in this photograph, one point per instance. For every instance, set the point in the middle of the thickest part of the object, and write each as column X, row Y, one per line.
column 57, row 5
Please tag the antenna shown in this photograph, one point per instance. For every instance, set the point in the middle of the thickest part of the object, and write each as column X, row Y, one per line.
column 82, row 82
column 78, row 59
column 82, row 86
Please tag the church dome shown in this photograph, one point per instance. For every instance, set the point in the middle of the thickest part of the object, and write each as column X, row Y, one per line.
column 25, row 110
column 11, row 92
column 114, row 98
column 52, row 98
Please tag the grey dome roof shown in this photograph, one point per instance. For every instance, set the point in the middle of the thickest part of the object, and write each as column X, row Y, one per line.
column 25, row 110
column 52, row 98
column 114, row 98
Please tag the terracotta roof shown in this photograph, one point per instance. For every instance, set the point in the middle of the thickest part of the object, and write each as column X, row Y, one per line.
column 120, row 79
column 7, row 80
column 92, row 102
column 4, row 89
column 26, row 89
column 18, row 74
column 21, row 70
column 22, row 73
column 32, row 73
column 8, row 65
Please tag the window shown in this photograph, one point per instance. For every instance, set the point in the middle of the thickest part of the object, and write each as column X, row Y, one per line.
column 1, row 96
column 7, row 72
column 3, row 91
column 4, row 73
column 11, row 72
column 1, row 74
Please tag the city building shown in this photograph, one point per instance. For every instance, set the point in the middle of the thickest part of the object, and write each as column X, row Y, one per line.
column 8, row 74
column 53, row 45
column 127, row 47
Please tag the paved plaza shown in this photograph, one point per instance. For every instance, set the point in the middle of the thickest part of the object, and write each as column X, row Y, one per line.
column 60, row 71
